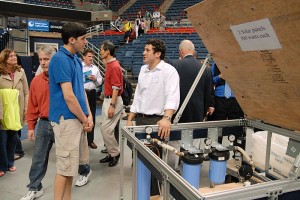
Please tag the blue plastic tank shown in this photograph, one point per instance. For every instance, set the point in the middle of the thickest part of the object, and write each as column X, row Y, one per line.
column 191, row 168
column 143, row 180
column 217, row 167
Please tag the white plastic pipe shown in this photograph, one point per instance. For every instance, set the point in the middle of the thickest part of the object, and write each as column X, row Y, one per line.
column 246, row 156
column 168, row 147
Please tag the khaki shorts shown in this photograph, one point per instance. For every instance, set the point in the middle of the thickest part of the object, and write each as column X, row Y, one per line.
column 69, row 138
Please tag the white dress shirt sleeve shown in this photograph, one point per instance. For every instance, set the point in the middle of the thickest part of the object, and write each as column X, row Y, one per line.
column 172, row 91
column 99, row 78
column 133, row 107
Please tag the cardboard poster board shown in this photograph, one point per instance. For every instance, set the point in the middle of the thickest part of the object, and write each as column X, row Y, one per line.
column 256, row 45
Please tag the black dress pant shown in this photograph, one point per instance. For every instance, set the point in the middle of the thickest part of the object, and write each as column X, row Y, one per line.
column 92, row 98
column 229, row 109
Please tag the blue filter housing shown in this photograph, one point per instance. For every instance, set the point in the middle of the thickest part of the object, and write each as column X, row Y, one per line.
column 143, row 180
column 191, row 168
column 217, row 167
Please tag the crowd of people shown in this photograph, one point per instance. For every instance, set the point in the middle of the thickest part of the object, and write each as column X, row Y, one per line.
column 142, row 24
column 62, row 101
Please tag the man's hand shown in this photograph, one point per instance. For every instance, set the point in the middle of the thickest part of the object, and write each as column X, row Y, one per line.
column 30, row 135
column 164, row 128
column 92, row 77
column 210, row 110
column 221, row 76
column 129, row 123
column 111, row 112
column 88, row 124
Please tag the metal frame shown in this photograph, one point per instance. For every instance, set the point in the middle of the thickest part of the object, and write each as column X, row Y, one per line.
column 270, row 190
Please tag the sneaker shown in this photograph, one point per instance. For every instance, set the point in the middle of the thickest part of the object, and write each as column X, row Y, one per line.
column 32, row 195
column 82, row 180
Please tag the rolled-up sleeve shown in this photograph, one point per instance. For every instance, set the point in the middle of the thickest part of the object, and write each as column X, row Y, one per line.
column 172, row 91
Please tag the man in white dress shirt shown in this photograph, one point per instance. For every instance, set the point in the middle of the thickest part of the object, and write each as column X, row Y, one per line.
column 157, row 93
column 92, row 79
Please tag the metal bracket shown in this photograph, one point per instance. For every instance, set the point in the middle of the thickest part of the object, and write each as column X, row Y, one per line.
column 131, row 130
column 295, row 170
column 164, row 176
column 244, row 122
column 273, row 195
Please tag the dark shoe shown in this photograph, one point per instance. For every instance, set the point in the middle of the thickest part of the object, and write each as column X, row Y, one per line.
column 114, row 161
column 18, row 156
column 104, row 151
column 106, row 159
column 93, row 145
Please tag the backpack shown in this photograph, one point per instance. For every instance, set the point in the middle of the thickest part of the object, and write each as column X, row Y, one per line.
column 127, row 91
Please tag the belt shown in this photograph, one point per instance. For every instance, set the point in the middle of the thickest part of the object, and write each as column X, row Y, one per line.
column 147, row 116
column 44, row 118
column 109, row 97
column 90, row 90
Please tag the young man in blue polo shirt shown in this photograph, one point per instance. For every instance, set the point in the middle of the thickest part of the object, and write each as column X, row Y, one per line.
column 69, row 110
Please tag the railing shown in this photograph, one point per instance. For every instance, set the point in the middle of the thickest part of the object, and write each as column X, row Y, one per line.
column 97, row 60
column 94, row 30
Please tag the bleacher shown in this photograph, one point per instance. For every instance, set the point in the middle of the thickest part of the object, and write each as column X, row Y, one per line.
column 131, row 55
column 176, row 10
column 115, row 5
column 141, row 5
column 53, row 3
column 116, row 39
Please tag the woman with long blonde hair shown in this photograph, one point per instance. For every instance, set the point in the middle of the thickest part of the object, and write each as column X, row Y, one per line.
column 12, row 76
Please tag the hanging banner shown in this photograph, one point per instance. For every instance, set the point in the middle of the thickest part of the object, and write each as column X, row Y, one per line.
column 35, row 25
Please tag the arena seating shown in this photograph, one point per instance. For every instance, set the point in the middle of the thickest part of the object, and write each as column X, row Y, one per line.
column 53, row 3
column 115, row 5
column 176, row 10
column 141, row 5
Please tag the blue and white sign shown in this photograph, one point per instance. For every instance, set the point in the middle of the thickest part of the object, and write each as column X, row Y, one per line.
column 34, row 25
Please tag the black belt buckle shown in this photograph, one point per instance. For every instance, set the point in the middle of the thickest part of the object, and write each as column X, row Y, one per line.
column 108, row 97
column 89, row 90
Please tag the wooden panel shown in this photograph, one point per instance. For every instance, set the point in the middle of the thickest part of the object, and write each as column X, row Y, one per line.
column 219, row 188
column 266, row 83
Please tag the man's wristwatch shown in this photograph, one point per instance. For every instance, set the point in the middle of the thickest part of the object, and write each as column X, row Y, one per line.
column 112, row 105
column 167, row 117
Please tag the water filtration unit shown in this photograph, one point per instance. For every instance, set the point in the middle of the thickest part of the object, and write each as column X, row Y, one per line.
column 262, row 75
column 245, row 183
